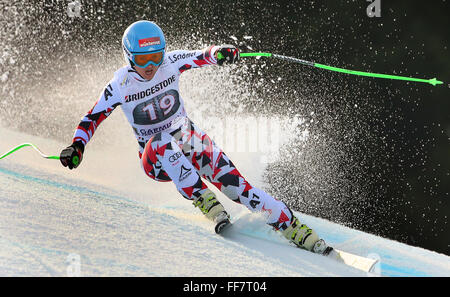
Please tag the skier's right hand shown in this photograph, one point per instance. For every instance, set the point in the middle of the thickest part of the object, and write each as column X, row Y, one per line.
column 72, row 155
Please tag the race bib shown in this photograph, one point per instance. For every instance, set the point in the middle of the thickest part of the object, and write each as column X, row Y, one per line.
column 157, row 109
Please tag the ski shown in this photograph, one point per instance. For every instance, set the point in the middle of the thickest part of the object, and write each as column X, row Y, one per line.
column 365, row 264
column 358, row 262
column 355, row 261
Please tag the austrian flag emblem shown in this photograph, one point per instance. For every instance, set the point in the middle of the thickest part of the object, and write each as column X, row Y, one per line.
column 149, row 41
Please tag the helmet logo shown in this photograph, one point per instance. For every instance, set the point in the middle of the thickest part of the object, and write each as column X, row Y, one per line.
column 149, row 41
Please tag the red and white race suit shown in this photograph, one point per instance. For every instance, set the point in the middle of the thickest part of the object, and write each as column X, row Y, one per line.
column 171, row 147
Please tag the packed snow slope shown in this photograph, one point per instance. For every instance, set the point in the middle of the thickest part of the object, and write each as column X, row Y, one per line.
column 121, row 223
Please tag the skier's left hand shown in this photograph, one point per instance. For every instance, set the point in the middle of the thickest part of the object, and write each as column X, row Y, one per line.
column 72, row 155
column 227, row 53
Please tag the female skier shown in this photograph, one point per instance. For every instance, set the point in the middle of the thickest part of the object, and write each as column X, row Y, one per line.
column 171, row 146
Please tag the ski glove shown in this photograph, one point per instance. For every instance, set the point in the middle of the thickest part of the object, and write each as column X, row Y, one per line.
column 227, row 53
column 72, row 155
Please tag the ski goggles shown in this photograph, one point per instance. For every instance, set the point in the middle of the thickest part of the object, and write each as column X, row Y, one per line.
column 144, row 60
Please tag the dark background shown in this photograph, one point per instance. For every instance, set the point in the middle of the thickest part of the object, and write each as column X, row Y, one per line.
column 378, row 155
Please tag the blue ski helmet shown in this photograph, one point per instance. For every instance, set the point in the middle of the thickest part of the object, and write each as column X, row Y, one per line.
column 143, row 38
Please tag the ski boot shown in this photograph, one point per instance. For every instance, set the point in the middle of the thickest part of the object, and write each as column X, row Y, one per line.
column 306, row 238
column 213, row 210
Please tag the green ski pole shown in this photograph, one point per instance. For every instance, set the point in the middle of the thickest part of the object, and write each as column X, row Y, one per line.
column 25, row 145
column 432, row 81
